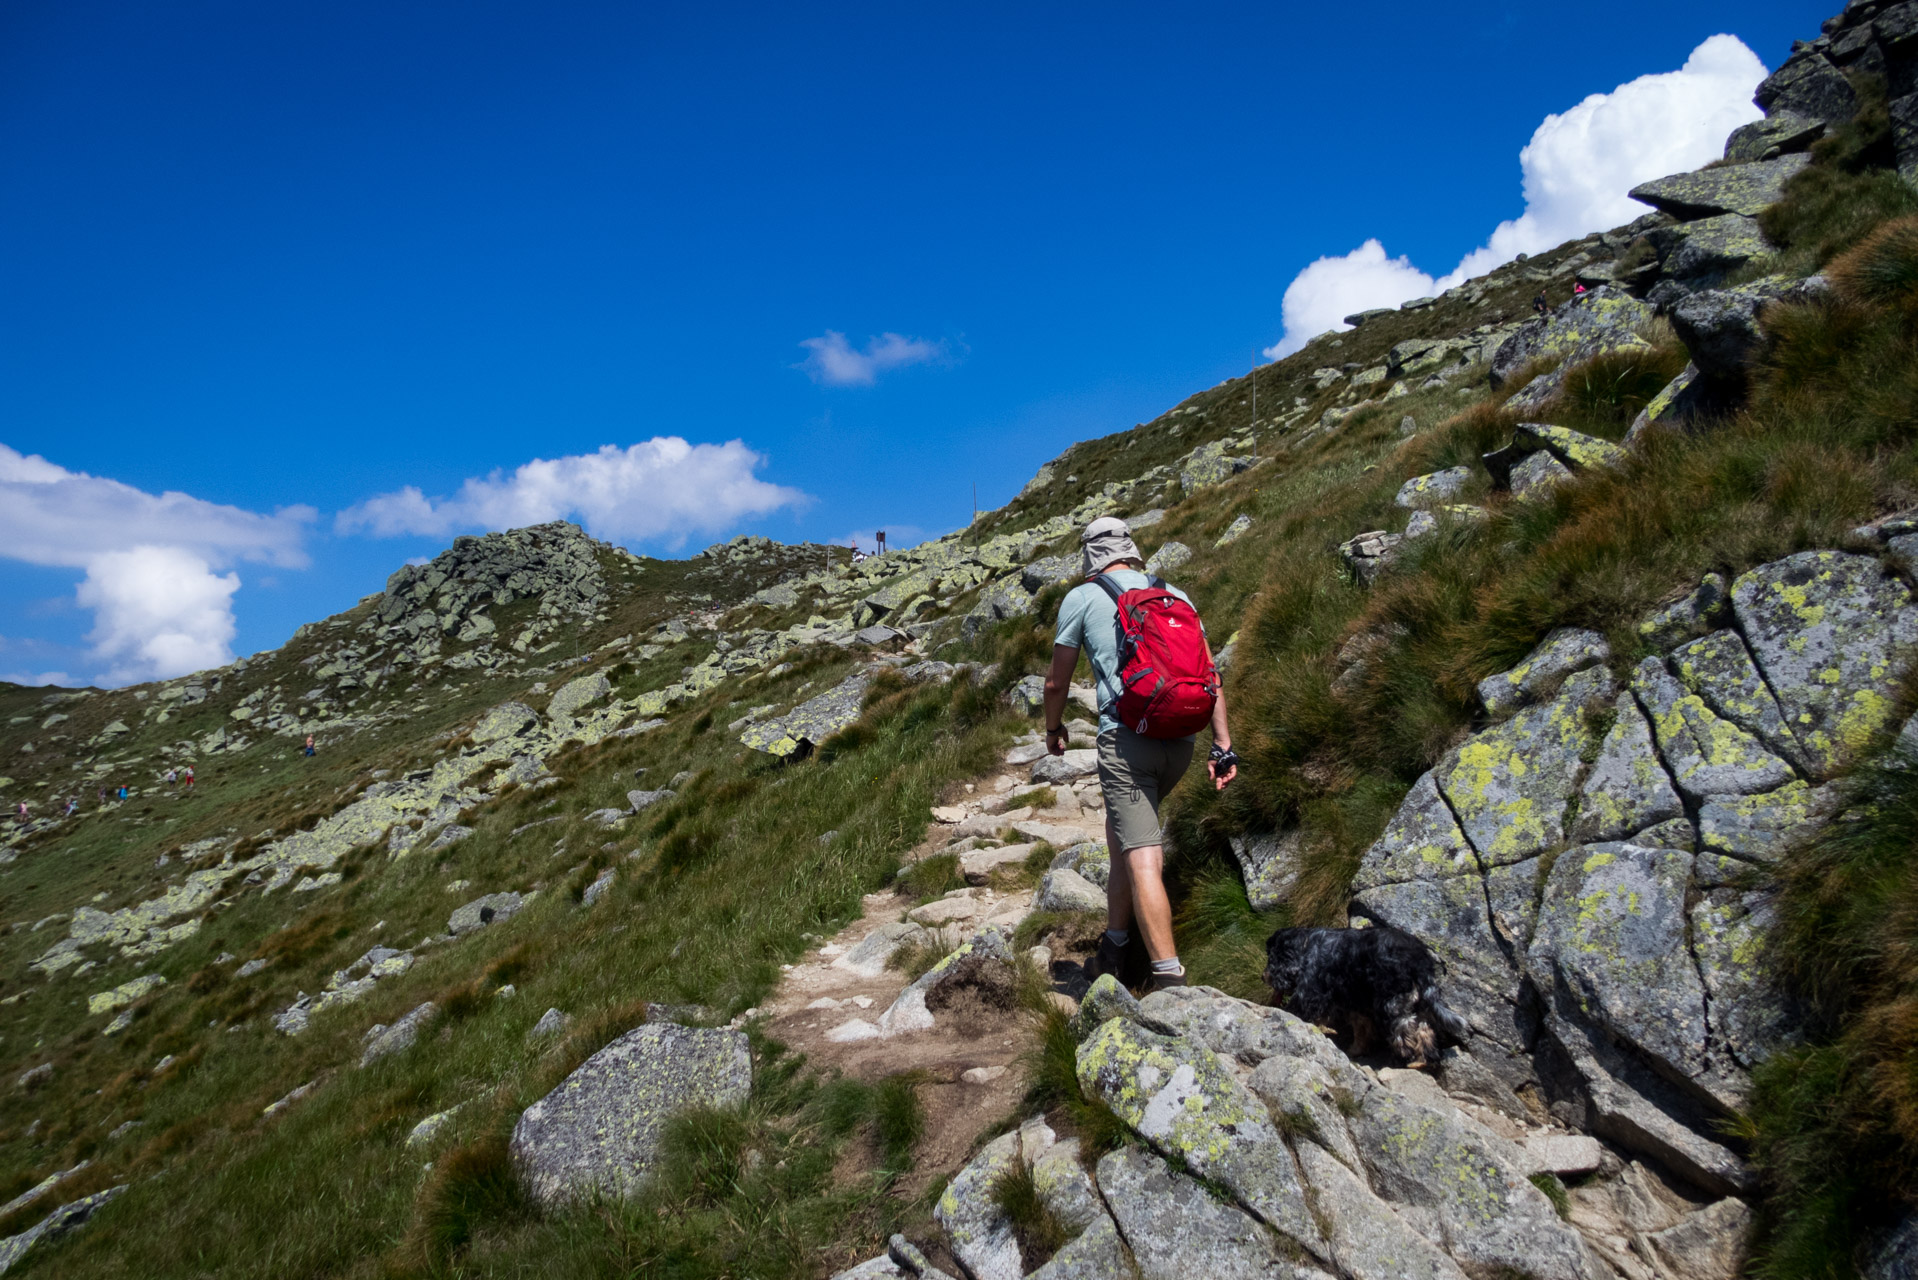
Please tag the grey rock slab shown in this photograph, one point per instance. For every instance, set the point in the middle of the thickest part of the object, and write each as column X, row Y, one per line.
column 601, row 885
column 1469, row 1181
column 599, row 1131
column 1243, row 1032
column 1612, row 930
column 643, row 800
column 1783, row 132
column 1563, row 651
column 575, row 695
column 1305, row 1102
column 1761, row 828
column 1070, row 767
column 1270, row 864
column 1369, row 1241
column 551, row 1023
column 1703, row 609
column 1740, row 188
column 1167, row 558
column 1719, row 669
column 811, row 722
column 1810, row 86
column 1834, row 635
column 1179, row 1097
column 907, row 1255
column 1239, row 527
column 1720, row 327
column 1713, row 246
column 1710, row 1244
column 67, row 1218
column 1509, row 785
column 1027, row 696
column 1627, row 789
column 1097, row 1253
column 1748, row 1009
column 1421, row 842
column 507, row 720
column 1565, row 1155
column 879, row 1268
column 1434, row 490
column 978, row 1231
column 1178, row 1231
column 1104, row 1000
column 400, row 1036
column 1067, row 890
column 1538, row 475
column 1707, row 754
column 494, row 908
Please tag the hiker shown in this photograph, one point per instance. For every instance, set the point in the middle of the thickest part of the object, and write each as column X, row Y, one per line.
column 1145, row 739
column 187, row 777
column 121, row 794
column 857, row 554
column 1578, row 291
column 73, row 805
column 1540, row 305
column 309, row 744
column 172, row 776
column 103, row 797
column 23, row 811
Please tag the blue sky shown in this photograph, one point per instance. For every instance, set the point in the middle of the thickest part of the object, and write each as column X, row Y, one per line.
column 294, row 257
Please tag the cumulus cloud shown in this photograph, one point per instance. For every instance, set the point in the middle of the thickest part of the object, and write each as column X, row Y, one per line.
column 663, row 488
column 833, row 362
column 160, row 609
column 1577, row 168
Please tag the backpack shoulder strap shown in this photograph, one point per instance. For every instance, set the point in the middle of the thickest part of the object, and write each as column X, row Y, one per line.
column 1110, row 585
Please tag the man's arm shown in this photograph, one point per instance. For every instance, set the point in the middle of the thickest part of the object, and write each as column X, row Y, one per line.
column 1221, row 737
column 1058, row 683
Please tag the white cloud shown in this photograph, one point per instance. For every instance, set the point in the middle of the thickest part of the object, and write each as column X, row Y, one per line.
column 1577, row 168
column 660, row 488
column 833, row 362
column 159, row 608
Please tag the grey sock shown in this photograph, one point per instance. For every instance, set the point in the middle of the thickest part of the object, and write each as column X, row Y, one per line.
column 1168, row 965
column 1118, row 937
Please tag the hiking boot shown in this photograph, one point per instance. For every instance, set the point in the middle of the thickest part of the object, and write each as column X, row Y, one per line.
column 1162, row 981
column 1128, row 964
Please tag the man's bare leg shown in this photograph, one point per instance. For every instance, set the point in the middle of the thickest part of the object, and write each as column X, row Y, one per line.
column 1145, row 872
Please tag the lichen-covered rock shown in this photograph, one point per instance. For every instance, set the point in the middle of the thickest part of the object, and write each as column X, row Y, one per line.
column 1424, row 522
column 1563, row 651
column 1270, row 864
column 1509, row 784
column 1307, row 1102
column 639, row 801
column 1761, row 828
column 811, row 722
column 1104, row 1000
column 1834, row 635
column 1369, row 1241
column 125, row 994
column 1750, row 1014
column 1611, row 929
column 1606, row 319
column 1178, row 1231
column 1719, row 669
column 1209, row 464
column 575, row 696
column 1669, row 408
column 599, row 1131
column 979, row 1231
column 1027, row 696
column 507, row 720
column 1168, row 557
column 1421, row 842
column 1241, row 524
column 1369, row 554
column 1095, row 1251
column 1575, row 449
column 1434, row 490
column 1707, row 607
column 1538, row 475
column 1713, row 246
column 1708, row 754
column 494, row 908
column 1627, row 789
column 1470, row 1182
column 983, row 961
column 384, row 1042
column 68, row 1217
column 1739, row 188
column 1180, row 1098
column 1720, row 327
column 1246, row 1033
column 1067, row 890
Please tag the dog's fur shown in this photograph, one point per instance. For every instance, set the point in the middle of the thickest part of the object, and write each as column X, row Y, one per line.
column 1364, row 984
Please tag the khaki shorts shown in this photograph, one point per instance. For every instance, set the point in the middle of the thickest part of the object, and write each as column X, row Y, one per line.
column 1135, row 774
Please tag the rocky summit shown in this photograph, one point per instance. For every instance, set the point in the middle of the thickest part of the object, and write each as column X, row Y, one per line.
column 728, row 915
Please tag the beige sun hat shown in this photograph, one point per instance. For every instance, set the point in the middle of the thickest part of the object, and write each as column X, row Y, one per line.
column 1107, row 539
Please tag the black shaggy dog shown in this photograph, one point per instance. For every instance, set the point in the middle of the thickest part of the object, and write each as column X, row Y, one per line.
column 1363, row 984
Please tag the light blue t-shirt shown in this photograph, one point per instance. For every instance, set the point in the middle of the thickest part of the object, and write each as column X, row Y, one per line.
column 1089, row 620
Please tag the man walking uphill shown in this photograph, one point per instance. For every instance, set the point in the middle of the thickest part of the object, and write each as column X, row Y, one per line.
column 1157, row 686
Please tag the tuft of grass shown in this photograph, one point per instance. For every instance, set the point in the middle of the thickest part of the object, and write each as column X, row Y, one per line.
column 1601, row 396
column 1554, row 1190
column 1882, row 269
column 1052, row 1086
column 470, row 1188
column 1039, row 1232
column 898, row 1120
column 928, row 878
column 1037, row 798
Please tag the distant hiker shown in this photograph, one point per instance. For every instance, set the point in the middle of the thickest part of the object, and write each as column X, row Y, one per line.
column 1540, row 305
column 172, row 776
column 23, row 811
column 857, row 554
column 73, row 805
column 103, row 797
column 1157, row 686
column 121, row 794
column 187, row 777
column 309, row 744
column 1578, row 290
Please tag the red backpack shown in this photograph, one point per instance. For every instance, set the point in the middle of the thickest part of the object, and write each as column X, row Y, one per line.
column 1167, row 683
